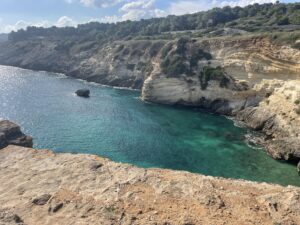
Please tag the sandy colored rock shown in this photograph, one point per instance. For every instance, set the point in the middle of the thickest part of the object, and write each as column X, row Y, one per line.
column 87, row 189
column 278, row 116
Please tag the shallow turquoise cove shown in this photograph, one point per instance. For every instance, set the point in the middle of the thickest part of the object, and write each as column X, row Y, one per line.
column 115, row 123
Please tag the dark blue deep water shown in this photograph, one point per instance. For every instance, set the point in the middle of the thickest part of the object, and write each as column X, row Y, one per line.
column 115, row 123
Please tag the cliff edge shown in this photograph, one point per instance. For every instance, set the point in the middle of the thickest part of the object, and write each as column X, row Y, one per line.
column 41, row 187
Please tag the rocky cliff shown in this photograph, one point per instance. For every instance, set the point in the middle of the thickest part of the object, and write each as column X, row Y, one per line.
column 128, row 63
column 41, row 187
column 121, row 63
column 214, row 73
column 271, row 106
column 278, row 116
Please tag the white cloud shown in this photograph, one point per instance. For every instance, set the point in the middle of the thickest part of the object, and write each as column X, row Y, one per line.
column 65, row 21
column 241, row 3
column 97, row 3
column 129, row 9
column 22, row 24
column 110, row 19
column 183, row 7
column 191, row 6
column 139, row 9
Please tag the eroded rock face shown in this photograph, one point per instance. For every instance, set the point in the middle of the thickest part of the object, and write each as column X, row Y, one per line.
column 86, row 189
column 271, row 106
column 129, row 63
column 187, row 91
column 254, row 59
column 11, row 134
column 277, row 116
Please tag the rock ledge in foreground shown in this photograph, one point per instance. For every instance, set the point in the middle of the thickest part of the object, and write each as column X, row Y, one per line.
column 48, row 188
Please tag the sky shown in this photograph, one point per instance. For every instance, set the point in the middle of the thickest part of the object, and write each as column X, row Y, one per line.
column 17, row 14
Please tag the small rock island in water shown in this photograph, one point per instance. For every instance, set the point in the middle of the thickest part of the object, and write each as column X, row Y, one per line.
column 83, row 93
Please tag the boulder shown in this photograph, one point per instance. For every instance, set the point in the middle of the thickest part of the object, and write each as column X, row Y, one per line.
column 11, row 134
column 83, row 93
column 41, row 200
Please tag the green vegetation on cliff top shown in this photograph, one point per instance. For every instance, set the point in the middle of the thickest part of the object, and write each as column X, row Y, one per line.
column 251, row 18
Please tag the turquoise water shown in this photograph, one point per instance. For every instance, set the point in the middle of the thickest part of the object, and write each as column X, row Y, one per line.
column 115, row 123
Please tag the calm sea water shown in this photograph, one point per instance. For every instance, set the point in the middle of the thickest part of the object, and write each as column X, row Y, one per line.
column 115, row 123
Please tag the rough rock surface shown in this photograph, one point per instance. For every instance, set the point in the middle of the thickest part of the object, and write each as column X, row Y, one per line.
column 187, row 91
column 11, row 134
column 278, row 116
column 129, row 63
column 86, row 189
column 254, row 59
column 122, row 63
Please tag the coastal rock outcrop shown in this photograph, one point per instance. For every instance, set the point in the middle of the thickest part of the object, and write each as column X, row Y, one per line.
column 271, row 106
column 69, row 190
column 11, row 134
column 187, row 91
column 278, row 117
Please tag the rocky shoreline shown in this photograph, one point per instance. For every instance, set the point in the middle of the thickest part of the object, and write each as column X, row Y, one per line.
column 218, row 76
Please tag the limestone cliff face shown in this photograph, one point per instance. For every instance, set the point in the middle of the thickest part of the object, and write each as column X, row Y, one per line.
column 278, row 116
column 187, row 91
column 129, row 63
column 123, row 64
column 271, row 106
column 41, row 187
column 244, row 56
column 249, row 59
column 255, row 58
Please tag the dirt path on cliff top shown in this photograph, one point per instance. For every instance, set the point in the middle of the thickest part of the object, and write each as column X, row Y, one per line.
column 41, row 187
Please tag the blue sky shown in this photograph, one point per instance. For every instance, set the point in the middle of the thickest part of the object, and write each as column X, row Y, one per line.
column 16, row 14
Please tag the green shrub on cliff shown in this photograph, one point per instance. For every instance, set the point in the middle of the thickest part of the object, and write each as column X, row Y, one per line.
column 130, row 66
column 174, row 65
column 208, row 73
column 199, row 54
column 182, row 57
column 166, row 49
column 289, row 38
column 145, row 67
